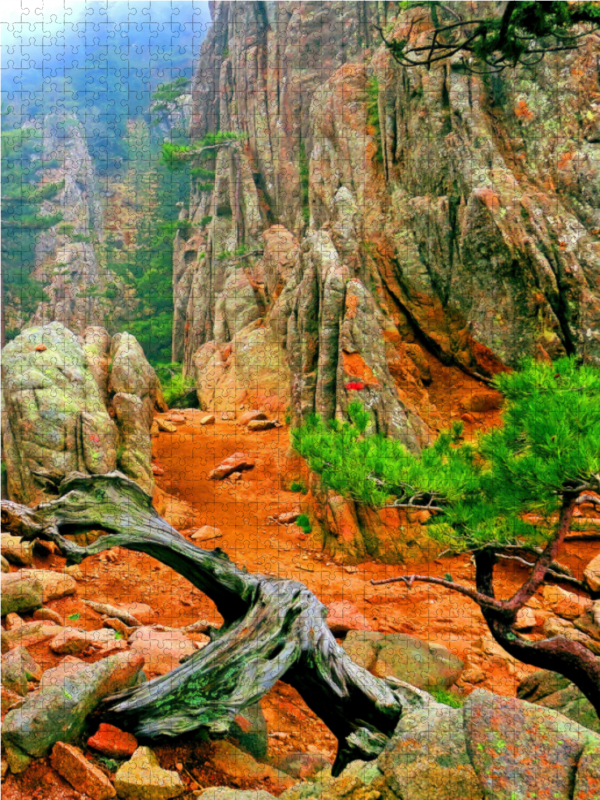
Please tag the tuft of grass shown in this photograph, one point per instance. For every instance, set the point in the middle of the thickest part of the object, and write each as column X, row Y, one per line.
column 448, row 698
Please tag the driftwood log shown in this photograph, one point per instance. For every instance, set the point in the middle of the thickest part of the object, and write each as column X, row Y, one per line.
column 274, row 629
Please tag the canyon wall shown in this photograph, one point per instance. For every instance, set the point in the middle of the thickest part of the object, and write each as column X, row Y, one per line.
column 378, row 226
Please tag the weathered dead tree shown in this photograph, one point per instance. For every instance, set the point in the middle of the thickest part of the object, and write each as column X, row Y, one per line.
column 274, row 629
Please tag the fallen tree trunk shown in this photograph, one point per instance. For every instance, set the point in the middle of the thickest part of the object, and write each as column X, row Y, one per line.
column 274, row 629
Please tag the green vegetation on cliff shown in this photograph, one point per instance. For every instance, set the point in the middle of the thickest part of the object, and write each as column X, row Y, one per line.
column 549, row 443
column 23, row 194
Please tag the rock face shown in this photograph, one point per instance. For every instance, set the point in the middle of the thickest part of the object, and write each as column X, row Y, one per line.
column 492, row 749
column 80, row 290
column 59, row 404
column 378, row 224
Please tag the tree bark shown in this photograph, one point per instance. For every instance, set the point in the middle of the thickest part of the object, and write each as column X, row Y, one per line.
column 274, row 629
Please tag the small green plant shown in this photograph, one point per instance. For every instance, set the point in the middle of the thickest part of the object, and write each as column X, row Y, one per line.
column 118, row 635
column 110, row 764
column 74, row 617
column 304, row 523
column 304, row 173
column 206, row 220
column 298, row 486
column 373, row 114
column 448, row 698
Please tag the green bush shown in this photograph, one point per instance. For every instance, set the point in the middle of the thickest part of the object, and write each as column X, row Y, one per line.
column 179, row 392
column 304, row 523
column 298, row 486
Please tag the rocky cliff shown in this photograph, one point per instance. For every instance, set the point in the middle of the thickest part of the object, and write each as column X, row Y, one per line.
column 378, row 226
column 80, row 290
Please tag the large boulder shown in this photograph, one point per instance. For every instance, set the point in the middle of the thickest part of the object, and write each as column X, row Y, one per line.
column 422, row 664
column 524, row 750
column 63, row 395
column 58, row 711
column 495, row 748
column 54, row 421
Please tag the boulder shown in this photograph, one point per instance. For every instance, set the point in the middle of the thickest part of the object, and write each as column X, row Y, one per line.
column 49, row 615
column 112, row 742
column 509, row 740
column 71, row 641
column 16, row 551
column 206, row 533
column 551, row 690
column 140, row 613
column 161, row 650
column 20, row 592
column 422, row 664
column 165, row 426
column 237, row 765
column 428, row 757
column 55, row 421
column 58, row 711
column 54, row 584
column 224, row 793
column 209, row 419
column 18, row 668
column 250, row 416
column 567, row 605
column 29, row 633
column 304, row 766
column 262, row 424
column 142, row 778
column 234, row 463
column 83, row 776
column 592, row 574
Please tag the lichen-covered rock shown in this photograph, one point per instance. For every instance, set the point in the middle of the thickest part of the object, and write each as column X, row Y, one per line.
column 422, row 664
column 20, row 593
column 18, row 668
column 552, row 690
column 54, row 420
column 522, row 748
column 403, row 199
column 60, row 405
column 58, row 711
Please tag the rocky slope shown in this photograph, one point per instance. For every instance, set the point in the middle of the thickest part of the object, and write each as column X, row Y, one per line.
column 378, row 221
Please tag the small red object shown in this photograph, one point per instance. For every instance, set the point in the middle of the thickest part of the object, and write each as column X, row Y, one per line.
column 40, row 348
column 113, row 742
column 355, row 385
column 94, row 438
